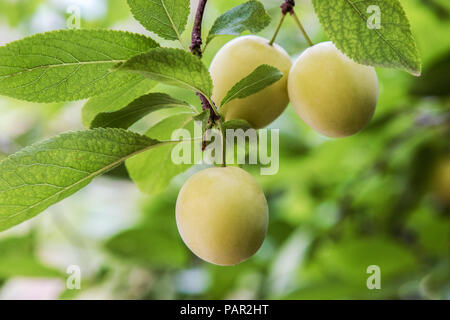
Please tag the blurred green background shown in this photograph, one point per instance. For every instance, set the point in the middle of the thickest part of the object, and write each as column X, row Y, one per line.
column 381, row 197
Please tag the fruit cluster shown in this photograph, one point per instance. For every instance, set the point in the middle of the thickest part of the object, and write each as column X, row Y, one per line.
column 331, row 93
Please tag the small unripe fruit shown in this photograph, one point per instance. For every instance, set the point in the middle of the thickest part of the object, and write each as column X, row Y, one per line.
column 333, row 94
column 236, row 60
column 222, row 215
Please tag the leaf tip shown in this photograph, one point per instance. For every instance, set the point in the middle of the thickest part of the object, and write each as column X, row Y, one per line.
column 417, row 72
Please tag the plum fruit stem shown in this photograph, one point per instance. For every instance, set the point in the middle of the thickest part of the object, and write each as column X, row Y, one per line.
column 288, row 7
column 280, row 23
column 302, row 29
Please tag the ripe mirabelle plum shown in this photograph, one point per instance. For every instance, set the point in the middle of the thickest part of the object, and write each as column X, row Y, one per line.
column 236, row 60
column 222, row 215
column 333, row 94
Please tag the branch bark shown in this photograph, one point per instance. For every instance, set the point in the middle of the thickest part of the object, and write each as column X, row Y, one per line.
column 287, row 7
column 196, row 43
column 196, row 49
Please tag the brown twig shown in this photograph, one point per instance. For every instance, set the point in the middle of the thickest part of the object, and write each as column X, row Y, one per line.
column 196, row 49
column 287, row 7
column 196, row 43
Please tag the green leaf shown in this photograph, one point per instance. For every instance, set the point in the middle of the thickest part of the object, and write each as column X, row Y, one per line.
column 392, row 45
column 262, row 77
column 204, row 118
column 136, row 110
column 18, row 245
column 149, row 247
column 339, row 290
column 432, row 231
column 153, row 170
column 166, row 18
column 45, row 173
column 348, row 260
column 173, row 67
column 25, row 266
column 249, row 16
column 237, row 124
column 17, row 259
column 117, row 99
column 68, row 64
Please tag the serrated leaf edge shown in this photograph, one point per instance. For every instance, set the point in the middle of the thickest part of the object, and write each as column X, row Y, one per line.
column 412, row 69
column 88, row 177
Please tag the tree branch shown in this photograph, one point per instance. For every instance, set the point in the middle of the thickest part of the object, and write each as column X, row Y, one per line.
column 287, row 7
column 196, row 49
column 196, row 44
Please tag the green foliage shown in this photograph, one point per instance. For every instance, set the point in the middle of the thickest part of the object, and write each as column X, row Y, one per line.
column 434, row 81
column 16, row 11
column 117, row 99
column 249, row 16
column 25, row 266
column 173, row 67
column 149, row 247
column 38, row 176
column 392, row 45
column 136, row 110
column 204, row 118
column 17, row 259
column 165, row 18
column 432, row 231
column 68, row 64
column 154, row 242
column 236, row 124
column 339, row 270
column 116, row 11
column 262, row 77
column 153, row 170
column 336, row 260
